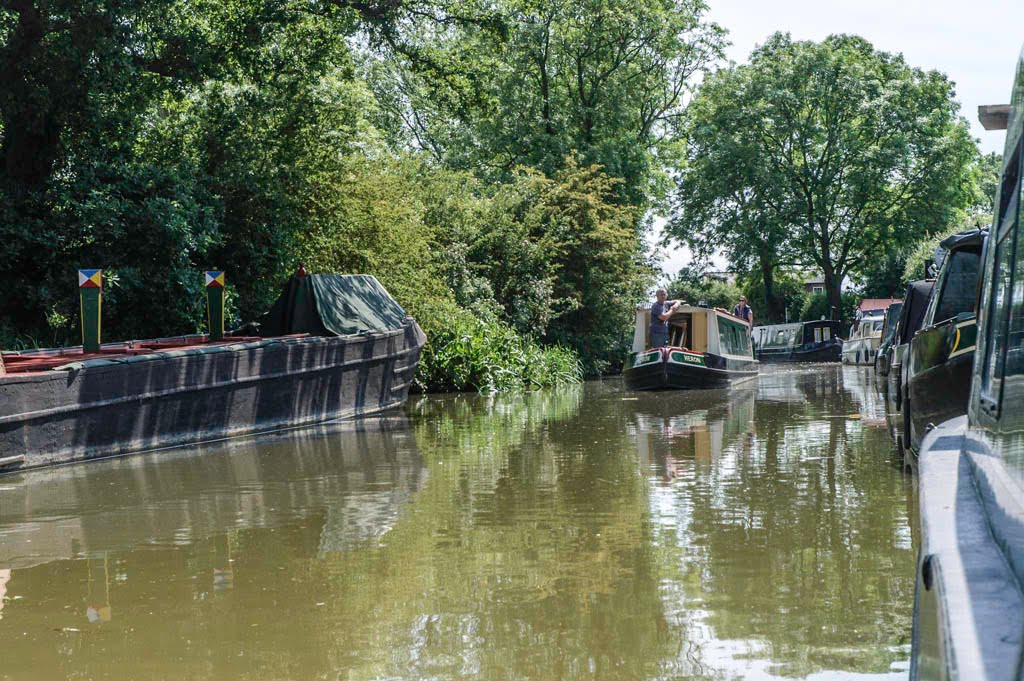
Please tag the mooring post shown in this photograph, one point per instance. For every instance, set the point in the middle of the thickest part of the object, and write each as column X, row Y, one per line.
column 90, row 295
column 215, row 304
column 3, row 371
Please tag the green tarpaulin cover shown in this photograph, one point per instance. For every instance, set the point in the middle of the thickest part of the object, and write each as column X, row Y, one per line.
column 332, row 305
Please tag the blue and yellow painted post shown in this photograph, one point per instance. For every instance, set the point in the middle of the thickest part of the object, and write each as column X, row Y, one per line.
column 90, row 296
column 215, row 304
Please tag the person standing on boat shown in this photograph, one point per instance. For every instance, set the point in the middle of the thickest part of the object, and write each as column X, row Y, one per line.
column 743, row 311
column 659, row 319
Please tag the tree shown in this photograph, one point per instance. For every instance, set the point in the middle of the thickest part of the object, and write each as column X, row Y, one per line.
column 842, row 151
column 606, row 79
column 695, row 287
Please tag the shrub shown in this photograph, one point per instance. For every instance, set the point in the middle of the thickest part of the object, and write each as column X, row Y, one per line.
column 471, row 354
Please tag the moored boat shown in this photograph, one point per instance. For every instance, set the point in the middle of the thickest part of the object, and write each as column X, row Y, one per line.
column 892, row 316
column 331, row 347
column 865, row 336
column 915, row 302
column 708, row 348
column 815, row 341
column 941, row 354
column 969, row 603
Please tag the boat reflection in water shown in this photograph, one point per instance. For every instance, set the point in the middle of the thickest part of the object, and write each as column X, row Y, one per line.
column 768, row 566
column 354, row 479
column 667, row 441
column 145, row 536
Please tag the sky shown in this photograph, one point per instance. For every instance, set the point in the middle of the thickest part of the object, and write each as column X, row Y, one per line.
column 976, row 43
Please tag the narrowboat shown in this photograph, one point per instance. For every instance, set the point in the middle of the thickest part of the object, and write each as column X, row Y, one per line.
column 915, row 302
column 707, row 348
column 865, row 336
column 969, row 604
column 331, row 347
column 892, row 316
column 816, row 341
column 941, row 354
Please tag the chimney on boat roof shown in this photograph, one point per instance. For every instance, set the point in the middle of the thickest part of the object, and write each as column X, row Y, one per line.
column 301, row 272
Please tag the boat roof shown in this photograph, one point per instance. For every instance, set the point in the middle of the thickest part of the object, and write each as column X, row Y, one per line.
column 779, row 327
column 793, row 325
column 876, row 304
column 970, row 238
column 914, row 304
column 45, row 359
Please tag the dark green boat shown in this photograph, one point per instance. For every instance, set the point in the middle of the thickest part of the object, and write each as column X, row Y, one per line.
column 969, row 602
column 941, row 354
column 882, row 359
column 915, row 302
column 816, row 341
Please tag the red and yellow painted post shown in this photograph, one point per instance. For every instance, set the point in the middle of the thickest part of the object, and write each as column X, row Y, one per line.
column 90, row 295
column 215, row 304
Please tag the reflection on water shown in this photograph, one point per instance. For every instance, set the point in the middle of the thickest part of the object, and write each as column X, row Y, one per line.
column 583, row 533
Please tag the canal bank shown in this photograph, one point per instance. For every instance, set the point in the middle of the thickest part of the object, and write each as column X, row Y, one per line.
column 589, row 532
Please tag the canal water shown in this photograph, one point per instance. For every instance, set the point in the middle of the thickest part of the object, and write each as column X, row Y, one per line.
column 582, row 533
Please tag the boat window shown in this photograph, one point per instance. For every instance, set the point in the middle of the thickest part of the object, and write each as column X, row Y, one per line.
column 733, row 337
column 782, row 337
column 877, row 326
column 1015, row 323
column 998, row 351
column 826, row 334
column 959, row 285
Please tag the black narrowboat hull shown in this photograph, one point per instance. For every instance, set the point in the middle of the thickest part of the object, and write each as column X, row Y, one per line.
column 672, row 372
column 941, row 362
column 825, row 352
column 109, row 407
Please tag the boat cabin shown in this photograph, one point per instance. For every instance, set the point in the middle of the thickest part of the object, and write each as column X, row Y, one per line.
column 956, row 288
column 816, row 341
column 698, row 329
column 788, row 336
column 707, row 348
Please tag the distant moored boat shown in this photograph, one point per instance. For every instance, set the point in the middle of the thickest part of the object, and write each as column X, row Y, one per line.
column 816, row 341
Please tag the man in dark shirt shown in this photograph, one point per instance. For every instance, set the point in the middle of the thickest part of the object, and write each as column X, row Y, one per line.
column 659, row 319
column 743, row 311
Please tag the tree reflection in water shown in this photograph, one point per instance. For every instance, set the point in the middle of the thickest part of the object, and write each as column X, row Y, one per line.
column 582, row 533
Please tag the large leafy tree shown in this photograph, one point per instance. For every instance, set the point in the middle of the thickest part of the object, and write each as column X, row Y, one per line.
column 605, row 78
column 833, row 152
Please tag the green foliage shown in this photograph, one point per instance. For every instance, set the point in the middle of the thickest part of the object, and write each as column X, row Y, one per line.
column 159, row 140
column 694, row 288
column 824, row 155
column 922, row 256
column 470, row 354
column 788, row 290
column 883, row 275
column 817, row 306
column 532, row 83
column 597, row 266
